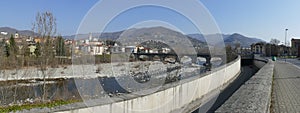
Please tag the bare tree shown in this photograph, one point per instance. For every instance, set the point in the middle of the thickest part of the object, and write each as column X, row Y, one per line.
column 274, row 41
column 45, row 26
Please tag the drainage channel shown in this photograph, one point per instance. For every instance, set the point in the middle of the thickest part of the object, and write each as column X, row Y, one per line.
column 247, row 71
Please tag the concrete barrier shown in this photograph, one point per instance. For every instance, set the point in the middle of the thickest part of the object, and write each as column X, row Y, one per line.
column 260, row 62
column 255, row 95
column 173, row 97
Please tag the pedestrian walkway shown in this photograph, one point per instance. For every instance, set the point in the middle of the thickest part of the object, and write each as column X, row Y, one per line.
column 286, row 88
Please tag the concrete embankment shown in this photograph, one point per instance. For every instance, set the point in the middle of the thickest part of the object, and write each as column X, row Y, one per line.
column 253, row 96
column 247, row 71
column 173, row 97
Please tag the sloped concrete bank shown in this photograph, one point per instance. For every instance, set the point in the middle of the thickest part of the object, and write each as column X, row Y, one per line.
column 255, row 95
column 174, row 97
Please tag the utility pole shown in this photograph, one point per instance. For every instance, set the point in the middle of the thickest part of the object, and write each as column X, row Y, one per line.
column 285, row 52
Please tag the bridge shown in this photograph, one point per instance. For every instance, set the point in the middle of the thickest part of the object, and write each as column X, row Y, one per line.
column 163, row 56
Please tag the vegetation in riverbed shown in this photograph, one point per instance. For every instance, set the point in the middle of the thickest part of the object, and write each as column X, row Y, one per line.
column 51, row 104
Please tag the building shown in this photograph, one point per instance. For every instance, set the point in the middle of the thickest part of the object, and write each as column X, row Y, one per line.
column 295, row 47
column 259, row 48
column 4, row 33
column 16, row 35
column 166, row 50
column 39, row 40
column 97, row 48
column 129, row 49
column 266, row 49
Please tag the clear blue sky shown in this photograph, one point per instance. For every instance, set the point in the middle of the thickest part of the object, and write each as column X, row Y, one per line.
column 263, row 19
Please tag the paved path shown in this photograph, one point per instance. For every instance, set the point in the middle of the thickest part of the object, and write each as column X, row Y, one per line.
column 286, row 88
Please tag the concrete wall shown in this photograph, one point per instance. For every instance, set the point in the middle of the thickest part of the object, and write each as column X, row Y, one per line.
column 259, row 62
column 255, row 95
column 174, row 98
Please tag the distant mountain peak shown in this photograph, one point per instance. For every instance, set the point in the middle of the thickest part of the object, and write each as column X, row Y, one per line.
column 237, row 34
column 230, row 39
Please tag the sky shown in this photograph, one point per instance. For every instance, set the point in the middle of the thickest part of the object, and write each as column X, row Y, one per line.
column 264, row 19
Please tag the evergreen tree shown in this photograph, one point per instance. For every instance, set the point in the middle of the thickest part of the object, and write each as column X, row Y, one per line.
column 60, row 47
column 12, row 46
column 37, row 50
column 6, row 50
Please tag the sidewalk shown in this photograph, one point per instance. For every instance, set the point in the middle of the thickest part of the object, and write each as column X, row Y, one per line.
column 286, row 88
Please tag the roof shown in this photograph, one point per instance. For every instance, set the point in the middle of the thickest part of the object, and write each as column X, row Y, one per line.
column 259, row 43
column 296, row 40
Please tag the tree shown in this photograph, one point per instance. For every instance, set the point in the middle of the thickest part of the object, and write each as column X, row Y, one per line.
column 37, row 50
column 45, row 26
column 13, row 62
column 12, row 46
column 3, row 53
column 237, row 47
column 6, row 47
column 60, row 48
column 110, row 42
column 274, row 41
column 229, row 53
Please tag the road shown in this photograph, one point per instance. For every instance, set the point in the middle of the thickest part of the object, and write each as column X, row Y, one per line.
column 293, row 61
column 286, row 93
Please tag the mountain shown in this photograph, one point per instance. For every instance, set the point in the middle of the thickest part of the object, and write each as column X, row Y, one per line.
column 179, row 42
column 229, row 39
column 108, row 35
column 134, row 34
column 196, row 39
column 201, row 36
column 151, row 32
column 13, row 31
column 243, row 40
column 168, row 36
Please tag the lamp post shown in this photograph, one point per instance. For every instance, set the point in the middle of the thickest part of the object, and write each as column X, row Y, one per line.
column 285, row 52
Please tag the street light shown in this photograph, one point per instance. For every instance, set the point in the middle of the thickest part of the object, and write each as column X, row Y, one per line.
column 285, row 52
column 286, row 30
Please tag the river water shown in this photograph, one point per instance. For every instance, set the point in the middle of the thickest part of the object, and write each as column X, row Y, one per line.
column 32, row 91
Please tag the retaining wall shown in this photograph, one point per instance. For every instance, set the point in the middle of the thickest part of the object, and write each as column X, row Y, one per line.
column 260, row 62
column 255, row 95
column 171, row 98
